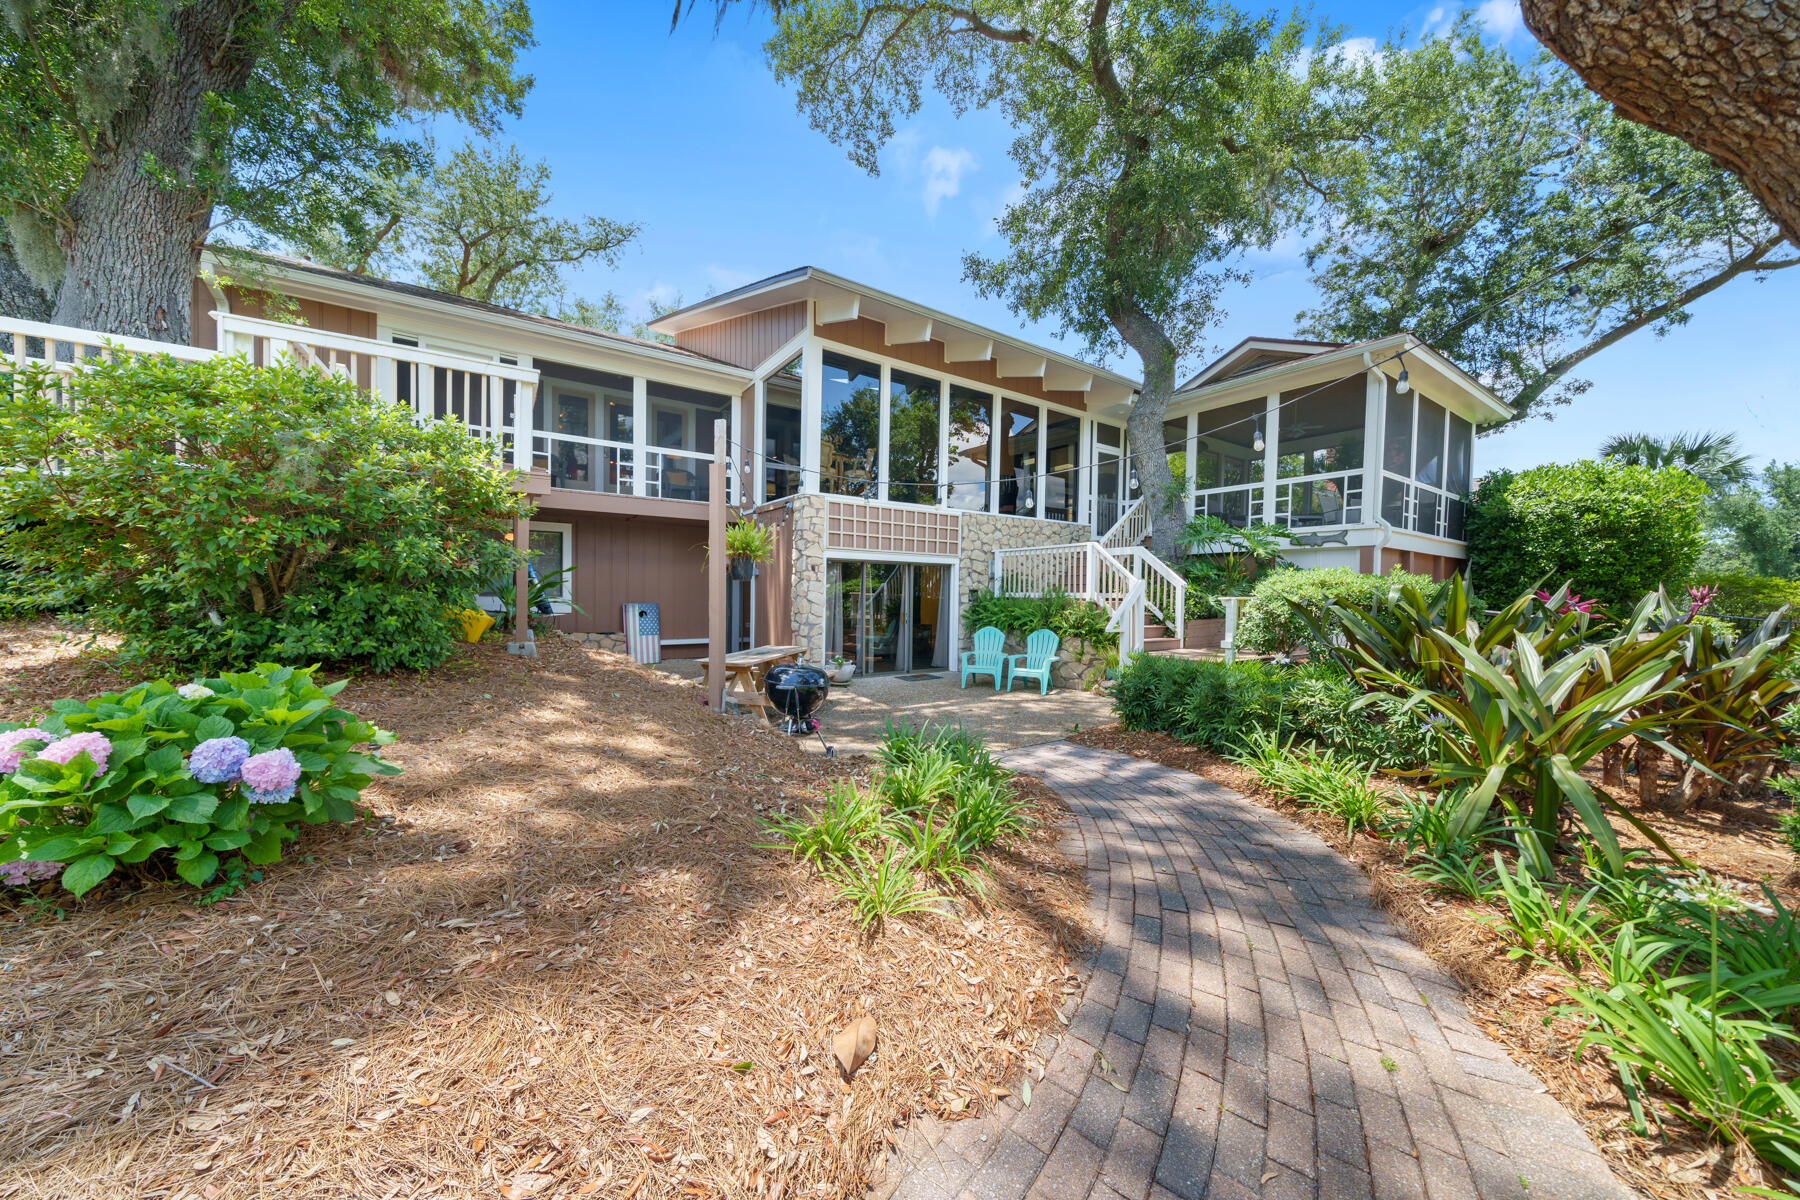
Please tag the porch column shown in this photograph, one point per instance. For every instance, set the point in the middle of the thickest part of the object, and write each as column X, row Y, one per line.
column 715, row 575
column 522, row 642
column 640, row 435
column 1271, row 460
column 1374, row 445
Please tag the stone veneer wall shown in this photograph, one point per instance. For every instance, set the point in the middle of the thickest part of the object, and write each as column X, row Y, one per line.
column 980, row 534
column 983, row 533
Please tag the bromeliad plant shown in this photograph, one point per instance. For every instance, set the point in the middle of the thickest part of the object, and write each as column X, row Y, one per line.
column 167, row 777
column 1529, row 697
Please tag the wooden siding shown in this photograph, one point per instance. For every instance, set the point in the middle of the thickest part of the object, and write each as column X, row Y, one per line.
column 1439, row 566
column 869, row 335
column 745, row 341
column 202, row 332
column 333, row 318
column 620, row 560
column 775, row 584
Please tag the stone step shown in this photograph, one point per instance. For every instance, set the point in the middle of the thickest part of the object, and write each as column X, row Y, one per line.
column 1157, row 644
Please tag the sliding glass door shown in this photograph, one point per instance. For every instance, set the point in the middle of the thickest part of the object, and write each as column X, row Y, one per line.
column 888, row 617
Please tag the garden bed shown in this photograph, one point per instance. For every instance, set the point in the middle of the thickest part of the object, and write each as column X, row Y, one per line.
column 1515, row 1003
column 553, row 960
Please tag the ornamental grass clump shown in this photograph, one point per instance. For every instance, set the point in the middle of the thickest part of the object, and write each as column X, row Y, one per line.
column 160, row 781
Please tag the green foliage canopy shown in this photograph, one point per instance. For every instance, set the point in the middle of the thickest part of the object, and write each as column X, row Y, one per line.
column 1272, row 621
column 218, row 513
column 1505, row 213
column 1609, row 531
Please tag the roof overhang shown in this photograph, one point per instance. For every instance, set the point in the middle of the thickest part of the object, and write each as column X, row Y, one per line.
column 1221, row 366
column 838, row 299
column 1426, row 369
column 304, row 281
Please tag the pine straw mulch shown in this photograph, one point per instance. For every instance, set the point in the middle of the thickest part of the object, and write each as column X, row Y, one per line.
column 1517, row 1005
column 553, row 962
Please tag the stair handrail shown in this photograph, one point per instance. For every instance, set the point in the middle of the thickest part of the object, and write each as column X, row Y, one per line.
column 1173, row 615
column 1129, row 529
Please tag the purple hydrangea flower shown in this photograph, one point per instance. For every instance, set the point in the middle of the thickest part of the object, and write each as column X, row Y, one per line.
column 217, row 760
column 10, row 754
column 21, row 874
column 64, row 749
column 270, row 777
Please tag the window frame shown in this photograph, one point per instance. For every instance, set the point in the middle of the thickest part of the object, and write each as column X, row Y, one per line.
column 567, row 589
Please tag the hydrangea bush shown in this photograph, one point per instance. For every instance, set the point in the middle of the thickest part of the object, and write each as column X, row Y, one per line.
column 160, row 777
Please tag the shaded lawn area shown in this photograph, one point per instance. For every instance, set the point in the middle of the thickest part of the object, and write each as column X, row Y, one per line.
column 554, row 961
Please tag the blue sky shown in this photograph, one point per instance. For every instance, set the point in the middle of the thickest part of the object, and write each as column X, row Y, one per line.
column 690, row 136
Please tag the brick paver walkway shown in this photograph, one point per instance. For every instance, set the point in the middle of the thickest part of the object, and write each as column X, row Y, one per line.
column 1253, row 1026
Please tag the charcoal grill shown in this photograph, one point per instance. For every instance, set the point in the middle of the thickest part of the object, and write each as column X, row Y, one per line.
column 797, row 692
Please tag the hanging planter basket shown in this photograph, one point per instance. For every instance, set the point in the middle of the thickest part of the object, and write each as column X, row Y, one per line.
column 742, row 568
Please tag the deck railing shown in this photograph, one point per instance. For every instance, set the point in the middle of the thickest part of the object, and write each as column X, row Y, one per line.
column 1085, row 571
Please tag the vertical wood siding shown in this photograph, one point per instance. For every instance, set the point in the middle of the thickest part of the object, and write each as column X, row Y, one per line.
column 871, row 336
column 620, row 560
column 745, row 341
column 775, row 585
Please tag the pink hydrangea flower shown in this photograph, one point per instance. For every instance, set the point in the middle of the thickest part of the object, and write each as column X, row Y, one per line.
column 10, row 754
column 64, row 749
column 270, row 777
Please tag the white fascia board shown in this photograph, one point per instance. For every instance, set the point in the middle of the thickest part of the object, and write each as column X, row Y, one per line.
column 1018, row 364
column 907, row 331
column 968, row 349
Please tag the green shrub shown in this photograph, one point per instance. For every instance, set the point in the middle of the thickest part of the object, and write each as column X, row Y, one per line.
column 1219, row 705
column 1070, row 619
column 1609, row 531
column 302, row 520
column 1329, row 782
column 114, row 782
column 1751, row 595
column 1269, row 624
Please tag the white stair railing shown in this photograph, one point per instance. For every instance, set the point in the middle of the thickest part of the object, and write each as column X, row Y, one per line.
column 1165, row 591
column 1086, row 571
column 1132, row 527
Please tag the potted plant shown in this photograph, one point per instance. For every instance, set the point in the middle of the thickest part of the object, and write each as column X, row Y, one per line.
column 748, row 543
column 841, row 670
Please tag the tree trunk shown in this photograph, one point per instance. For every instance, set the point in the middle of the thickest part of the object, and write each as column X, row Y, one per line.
column 1612, row 766
column 1697, row 787
column 20, row 296
column 1719, row 75
column 1648, row 759
column 1156, row 354
column 132, row 247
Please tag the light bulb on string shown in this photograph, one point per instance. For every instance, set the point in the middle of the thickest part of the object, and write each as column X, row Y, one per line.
column 1257, row 442
column 1134, row 479
column 1402, row 385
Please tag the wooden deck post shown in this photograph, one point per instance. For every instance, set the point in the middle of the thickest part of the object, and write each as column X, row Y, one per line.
column 715, row 571
column 522, row 642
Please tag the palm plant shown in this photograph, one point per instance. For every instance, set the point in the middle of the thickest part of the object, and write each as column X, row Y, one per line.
column 1714, row 457
column 1525, row 701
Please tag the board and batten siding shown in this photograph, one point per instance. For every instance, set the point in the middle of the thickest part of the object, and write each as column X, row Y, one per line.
column 864, row 333
column 747, row 340
column 630, row 560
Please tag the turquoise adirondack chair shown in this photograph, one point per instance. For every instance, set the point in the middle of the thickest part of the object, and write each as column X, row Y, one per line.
column 987, row 658
column 1043, row 650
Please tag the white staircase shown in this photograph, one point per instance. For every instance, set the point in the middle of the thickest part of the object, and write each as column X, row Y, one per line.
column 1115, row 571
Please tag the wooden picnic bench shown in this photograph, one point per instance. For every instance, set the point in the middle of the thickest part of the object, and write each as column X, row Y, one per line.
column 744, row 671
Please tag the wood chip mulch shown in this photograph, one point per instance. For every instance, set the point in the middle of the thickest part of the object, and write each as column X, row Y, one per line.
column 1521, row 1007
column 554, row 961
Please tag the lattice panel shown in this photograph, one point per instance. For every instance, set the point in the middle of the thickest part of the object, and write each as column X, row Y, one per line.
column 850, row 525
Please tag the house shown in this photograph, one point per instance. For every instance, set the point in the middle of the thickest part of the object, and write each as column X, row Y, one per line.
column 905, row 458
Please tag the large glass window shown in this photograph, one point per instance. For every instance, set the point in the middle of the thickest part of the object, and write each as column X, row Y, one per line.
column 850, row 425
column 780, row 427
column 914, row 404
column 1429, row 454
column 1457, row 461
column 1062, row 457
column 1019, row 424
column 1227, row 453
column 681, row 419
column 577, row 407
column 971, row 435
column 1396, row 445
column 1321, row 433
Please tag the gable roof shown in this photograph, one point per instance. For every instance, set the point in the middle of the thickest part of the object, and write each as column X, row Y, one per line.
column 1252, row 354
column 841, row 299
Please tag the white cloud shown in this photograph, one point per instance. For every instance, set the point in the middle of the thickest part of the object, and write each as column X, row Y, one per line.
column 724, row 279
column 944, row 169
column 1438, row 22
column 657, row 293
column 1363, row 51
column 1501, row 18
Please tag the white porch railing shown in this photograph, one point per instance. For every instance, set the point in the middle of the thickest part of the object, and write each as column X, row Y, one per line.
column 1132, row 527
column 1165, row 592
column 1085, row 571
